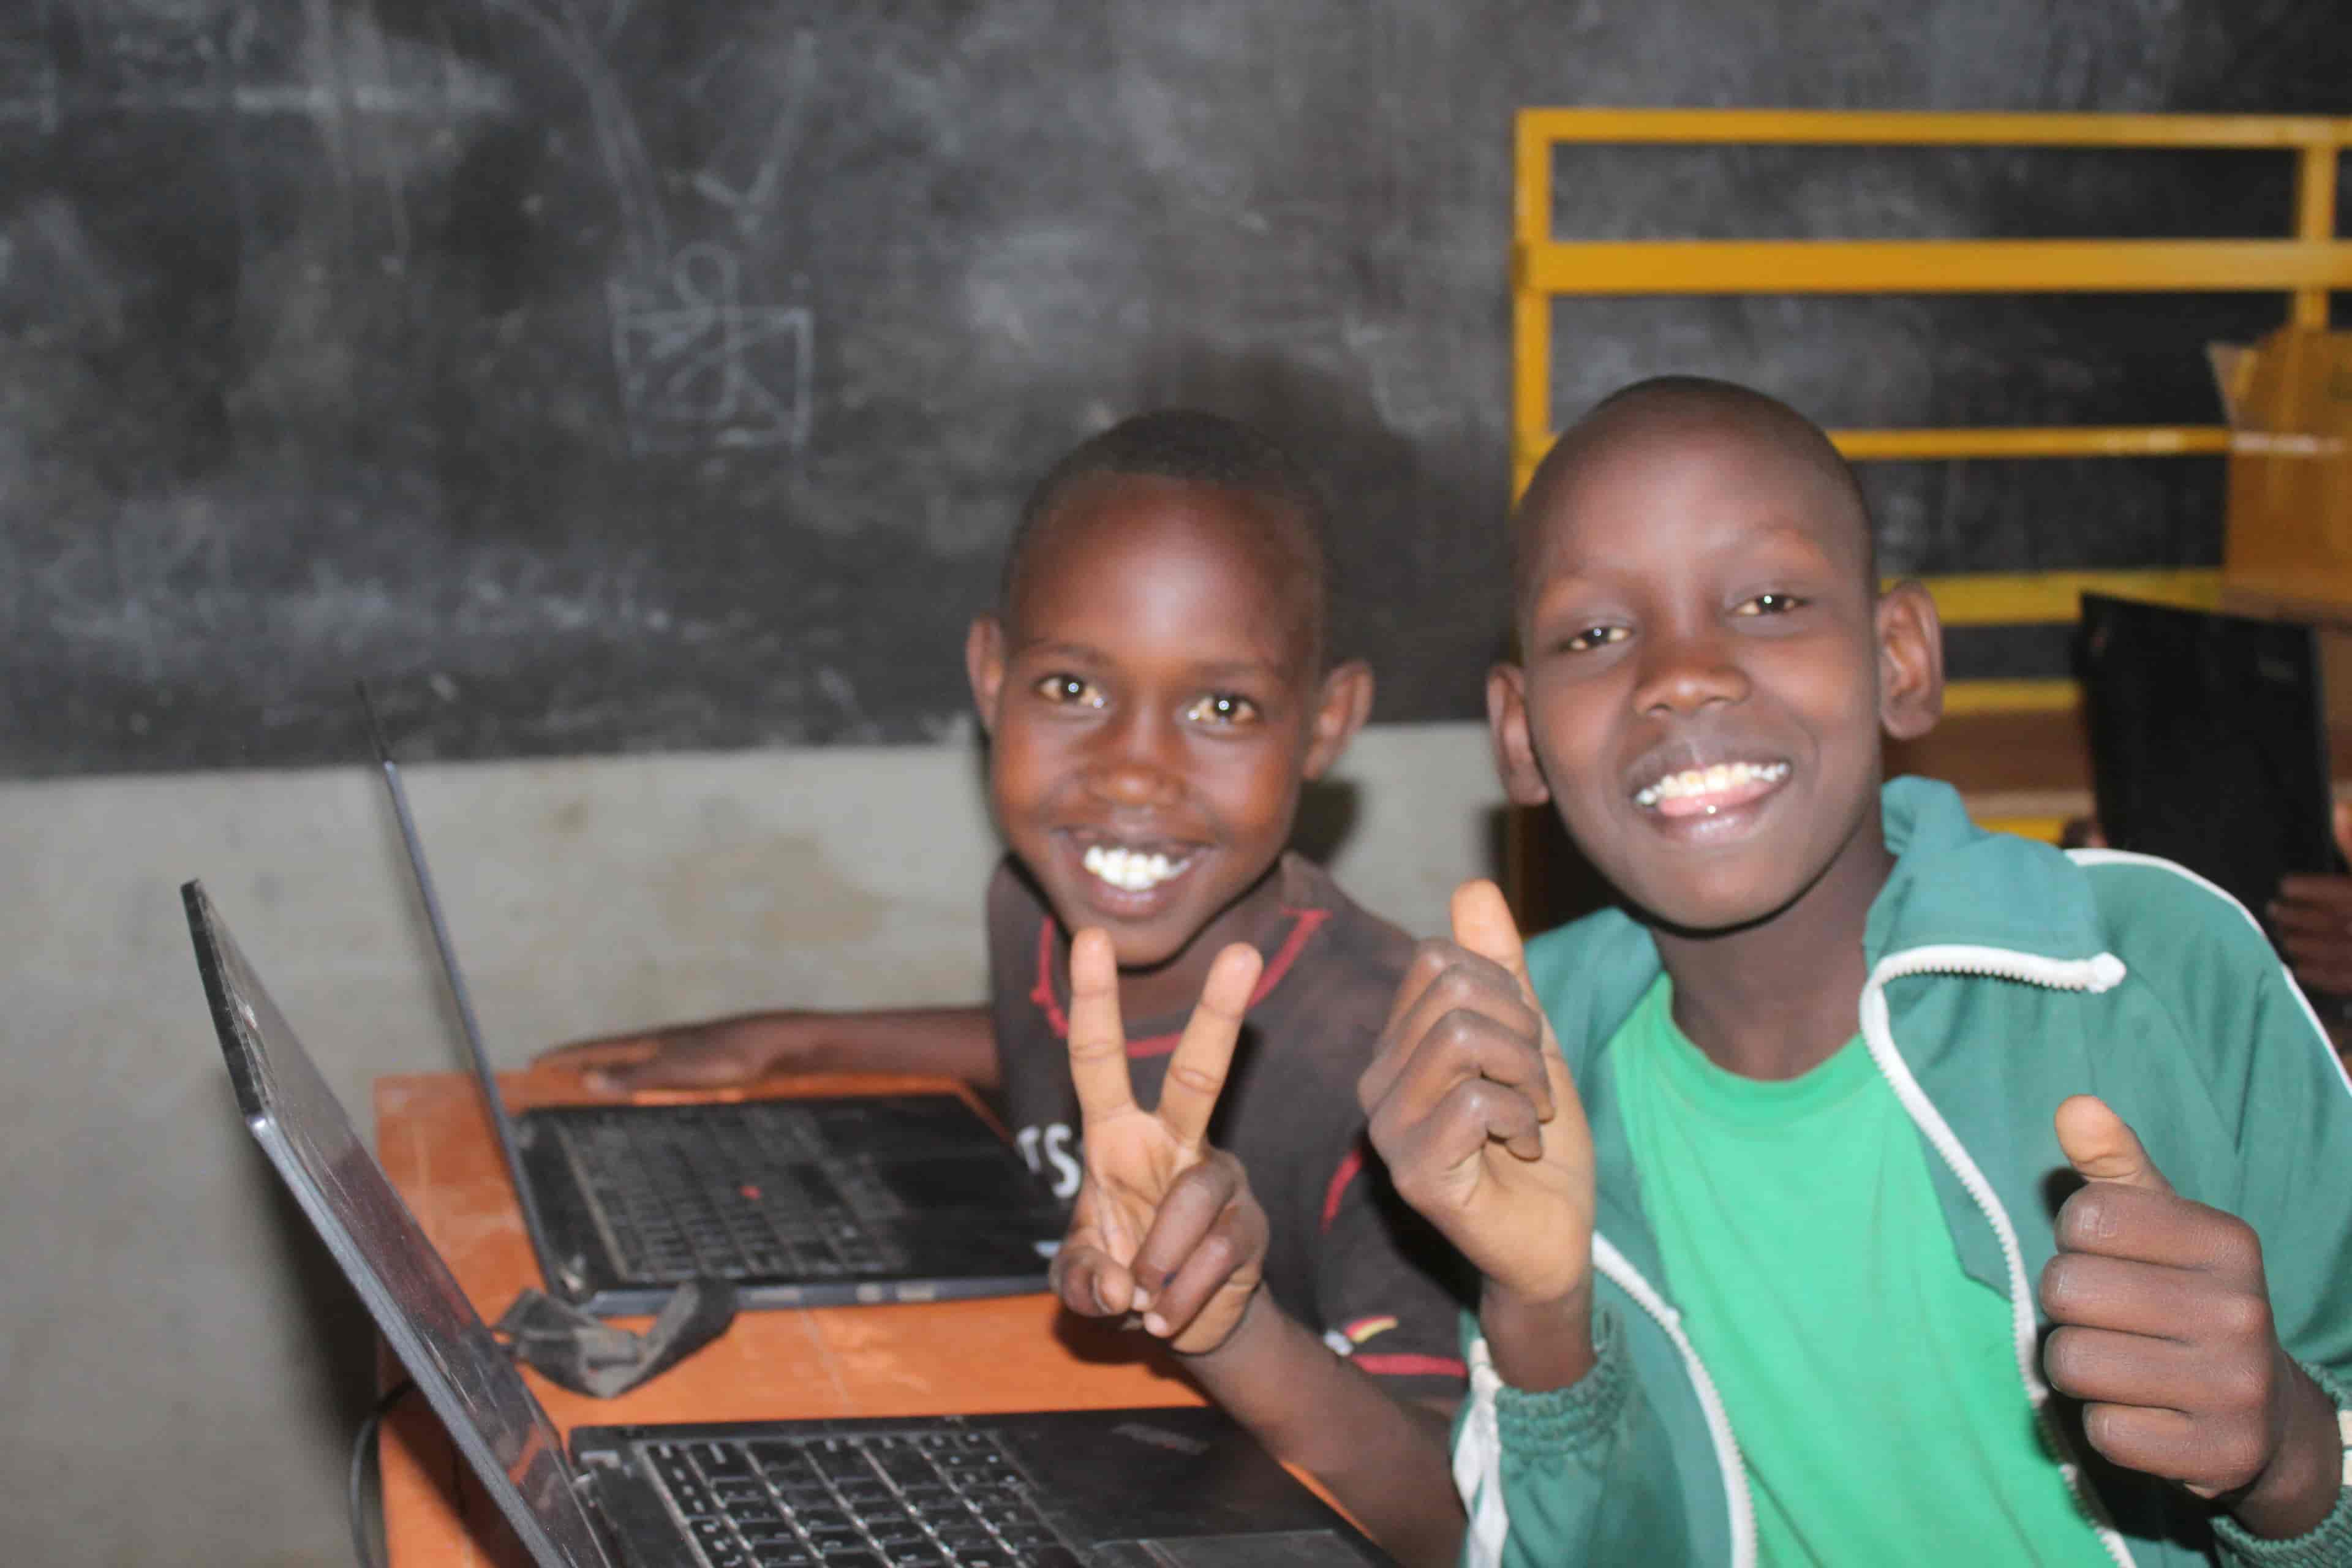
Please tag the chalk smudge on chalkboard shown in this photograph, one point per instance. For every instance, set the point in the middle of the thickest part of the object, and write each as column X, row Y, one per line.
column 206, row 60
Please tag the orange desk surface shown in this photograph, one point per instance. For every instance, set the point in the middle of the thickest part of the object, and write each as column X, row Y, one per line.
column 1015, row 1352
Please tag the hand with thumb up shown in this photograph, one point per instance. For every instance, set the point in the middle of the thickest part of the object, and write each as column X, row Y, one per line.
column 2165, row 1332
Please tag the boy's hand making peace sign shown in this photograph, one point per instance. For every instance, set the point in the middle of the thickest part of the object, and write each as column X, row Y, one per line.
column 1165, row 1225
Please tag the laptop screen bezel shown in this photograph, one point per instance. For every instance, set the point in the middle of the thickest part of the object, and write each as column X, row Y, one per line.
column 303, row 1129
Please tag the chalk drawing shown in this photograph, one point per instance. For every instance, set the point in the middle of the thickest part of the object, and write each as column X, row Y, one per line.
column 750, row 203
column 699, row 367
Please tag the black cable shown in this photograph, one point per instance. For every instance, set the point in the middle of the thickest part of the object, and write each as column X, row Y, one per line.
column 363, row 1445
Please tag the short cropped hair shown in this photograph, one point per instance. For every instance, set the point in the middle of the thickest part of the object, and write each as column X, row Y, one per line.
column 1668, row 398
column 1200, row 447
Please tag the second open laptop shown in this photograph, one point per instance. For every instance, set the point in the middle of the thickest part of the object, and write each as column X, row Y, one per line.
column 1073, row 1488
column 804, row 1201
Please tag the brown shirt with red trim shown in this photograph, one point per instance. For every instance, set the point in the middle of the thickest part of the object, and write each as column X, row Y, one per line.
column 1346, row 1256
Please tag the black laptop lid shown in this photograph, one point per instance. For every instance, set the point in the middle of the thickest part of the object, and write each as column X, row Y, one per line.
column 2209, row 741
column 464, row 1372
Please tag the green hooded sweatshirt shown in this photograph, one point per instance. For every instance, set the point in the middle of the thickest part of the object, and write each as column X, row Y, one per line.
column 2003, row 976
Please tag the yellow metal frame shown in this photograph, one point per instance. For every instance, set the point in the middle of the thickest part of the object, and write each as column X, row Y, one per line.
column 2305, row 266
column 2048, row 829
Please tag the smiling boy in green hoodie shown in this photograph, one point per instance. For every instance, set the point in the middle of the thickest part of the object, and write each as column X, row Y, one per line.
column 1760, row 1284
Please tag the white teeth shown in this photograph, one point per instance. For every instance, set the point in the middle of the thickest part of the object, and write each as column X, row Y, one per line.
column 1135, row 870
column 1711, row 780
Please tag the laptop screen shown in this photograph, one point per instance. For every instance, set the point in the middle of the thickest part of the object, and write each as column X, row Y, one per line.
column 2209, row 741
column 459, row 1365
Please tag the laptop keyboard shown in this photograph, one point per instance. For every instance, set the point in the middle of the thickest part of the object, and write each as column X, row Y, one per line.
column 738, row 1192
column 879, row 1500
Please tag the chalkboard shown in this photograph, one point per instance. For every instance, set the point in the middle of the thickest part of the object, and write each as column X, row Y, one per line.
column 623, row 375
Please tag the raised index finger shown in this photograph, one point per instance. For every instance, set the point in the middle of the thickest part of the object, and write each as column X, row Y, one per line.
column 1196, row 1073
column 1098, row 1040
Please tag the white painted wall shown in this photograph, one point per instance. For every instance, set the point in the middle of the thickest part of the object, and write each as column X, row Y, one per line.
column 163, row 1314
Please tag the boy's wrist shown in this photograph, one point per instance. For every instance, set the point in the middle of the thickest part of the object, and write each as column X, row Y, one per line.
column 801, row 1043
column 776, row 1042
column 1538, row 1345
column 2297, row 1488
column 1256, row 1323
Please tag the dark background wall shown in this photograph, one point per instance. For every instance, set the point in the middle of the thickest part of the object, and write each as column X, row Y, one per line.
column 623, row 375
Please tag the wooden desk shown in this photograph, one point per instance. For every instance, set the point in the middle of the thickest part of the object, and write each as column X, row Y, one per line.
column 1013, row 1352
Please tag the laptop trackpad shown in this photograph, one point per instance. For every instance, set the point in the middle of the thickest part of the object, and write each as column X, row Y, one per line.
column 1284, row 1549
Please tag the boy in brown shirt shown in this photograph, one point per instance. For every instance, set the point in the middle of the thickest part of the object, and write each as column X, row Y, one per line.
column 1156, row 690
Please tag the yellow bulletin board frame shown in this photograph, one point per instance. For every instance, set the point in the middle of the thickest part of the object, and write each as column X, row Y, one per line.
column 2305, row 266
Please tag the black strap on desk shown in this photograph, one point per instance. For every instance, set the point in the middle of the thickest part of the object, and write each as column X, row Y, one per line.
column 588, row 1355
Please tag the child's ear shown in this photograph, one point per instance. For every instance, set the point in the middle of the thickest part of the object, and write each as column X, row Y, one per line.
column 983, row 662
column 1506, row 725
column 1910, row 662
column 1341, row 706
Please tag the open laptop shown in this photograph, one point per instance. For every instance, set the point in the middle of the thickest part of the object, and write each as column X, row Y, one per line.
column 2209, row 741
column 1105, row 1489
column 797, row 1203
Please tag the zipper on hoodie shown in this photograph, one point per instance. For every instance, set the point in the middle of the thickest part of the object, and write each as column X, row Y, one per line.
column 1737, row 1499
column 2092, row 976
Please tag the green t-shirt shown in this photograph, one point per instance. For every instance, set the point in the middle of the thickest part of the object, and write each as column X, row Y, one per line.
column 1871, row 1382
